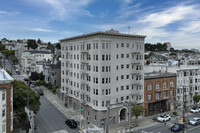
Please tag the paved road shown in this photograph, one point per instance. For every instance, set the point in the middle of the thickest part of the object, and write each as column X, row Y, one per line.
column 49, row 119
column 163, row 128
column 7, row 65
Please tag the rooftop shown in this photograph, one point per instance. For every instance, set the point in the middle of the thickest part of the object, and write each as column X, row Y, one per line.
column 4, row 76
column 156, row 74
column 38, row 51
column 108, row 33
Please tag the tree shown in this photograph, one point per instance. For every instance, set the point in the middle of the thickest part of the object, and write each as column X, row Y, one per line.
column 39, row 41
column 34, row 76
column 51, row 47
column 173, row 53
column 138, row 109
column 58, row 46
column 8, row 53
column 32, row 44
column 41, row 76
column 20, row 90
column 2, row 47
column 9, row 72
column 196, row 99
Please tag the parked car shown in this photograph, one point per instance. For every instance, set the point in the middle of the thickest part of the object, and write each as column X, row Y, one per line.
column 71, row 123
column 177, row 127
column 164, row 117
column 40, row 92
column 195, row 110
column 194, row 121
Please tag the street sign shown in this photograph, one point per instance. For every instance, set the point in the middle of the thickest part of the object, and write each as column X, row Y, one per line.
column 80, row 109
column 180, row 120
column 130, row 107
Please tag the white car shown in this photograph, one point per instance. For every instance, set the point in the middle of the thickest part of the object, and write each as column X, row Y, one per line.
column 195, row 110
column 194, row 121
column 163, row 118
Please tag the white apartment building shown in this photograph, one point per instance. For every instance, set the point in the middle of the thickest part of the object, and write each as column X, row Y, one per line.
column 102, row 68
column 6, row 102
column 189, row 78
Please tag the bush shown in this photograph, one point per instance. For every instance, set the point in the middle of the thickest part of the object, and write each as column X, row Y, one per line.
column 39, row 83
column 175, row 113
column 54, row 90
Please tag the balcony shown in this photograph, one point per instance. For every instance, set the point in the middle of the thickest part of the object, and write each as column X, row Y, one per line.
column 135, row 52
column 84, row 51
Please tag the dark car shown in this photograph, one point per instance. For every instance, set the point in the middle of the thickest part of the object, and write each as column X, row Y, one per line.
column 40, row 92
column 177, row 127
column 71, row 123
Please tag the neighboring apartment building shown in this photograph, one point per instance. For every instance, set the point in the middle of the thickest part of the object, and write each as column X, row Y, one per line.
column 52, row 73
column 189, row 78
column 28, row 60
column 102, row 68
column 41, row 55
column 6, row 102
column 159, row 87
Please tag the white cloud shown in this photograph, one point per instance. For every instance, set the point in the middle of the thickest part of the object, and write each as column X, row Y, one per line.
column 40, row 30
column 62, row 9
column 191, row 27
column 8, row 13
column 168, row 16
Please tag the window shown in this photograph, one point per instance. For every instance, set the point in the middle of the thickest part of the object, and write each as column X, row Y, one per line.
column 164, row 94
column 171, row 93
column 122, row 55
column 149, row 97
column 3, row 96
column 3, row 112
column 157, row 95
column 122, row 87
column 157, row 86
column 102, row 103
column 164, row 85
column 149, row 87
column 122, row 98
column 122, row 45
column 171, row 84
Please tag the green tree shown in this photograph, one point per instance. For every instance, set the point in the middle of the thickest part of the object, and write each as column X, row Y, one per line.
column 58, row 46
column 32, row 44
column 9, row 72
column 20, row 90
column 8, row 53
column 51, row 47
column 138, row 109
column 2, row 47
column 41, row 76
column 39, row 41
column 173, row 53
column 196, row 99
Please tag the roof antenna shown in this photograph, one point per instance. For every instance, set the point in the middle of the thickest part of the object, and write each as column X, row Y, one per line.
column 129, row 29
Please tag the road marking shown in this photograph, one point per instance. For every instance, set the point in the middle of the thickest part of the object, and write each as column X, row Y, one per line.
column 192, row 128
column 61, row 131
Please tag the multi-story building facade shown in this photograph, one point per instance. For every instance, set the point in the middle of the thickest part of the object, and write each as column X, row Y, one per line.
column 188, row 78
column 28, row 61
column 159, row 92
column 102, row 68
column 6, row 102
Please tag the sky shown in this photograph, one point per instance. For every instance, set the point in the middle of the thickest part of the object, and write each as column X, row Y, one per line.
column 174, row 21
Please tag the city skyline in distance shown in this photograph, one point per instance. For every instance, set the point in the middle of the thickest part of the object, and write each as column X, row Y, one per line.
column 177, row 22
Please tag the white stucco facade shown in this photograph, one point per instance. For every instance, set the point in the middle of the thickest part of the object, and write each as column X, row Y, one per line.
column 103, row 68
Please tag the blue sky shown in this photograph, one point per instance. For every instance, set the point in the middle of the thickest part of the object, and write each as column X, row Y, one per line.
column 175, row 21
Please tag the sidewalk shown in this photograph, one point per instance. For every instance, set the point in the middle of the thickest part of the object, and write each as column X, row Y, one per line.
column 143, row 122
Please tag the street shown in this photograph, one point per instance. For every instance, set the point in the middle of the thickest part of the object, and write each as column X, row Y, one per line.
column 49, row 119
column 164, row 128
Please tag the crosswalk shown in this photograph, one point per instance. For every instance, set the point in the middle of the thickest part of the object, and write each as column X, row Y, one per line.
column 60, row 131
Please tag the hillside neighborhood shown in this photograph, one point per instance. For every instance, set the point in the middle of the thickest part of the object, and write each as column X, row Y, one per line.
column 100, row 82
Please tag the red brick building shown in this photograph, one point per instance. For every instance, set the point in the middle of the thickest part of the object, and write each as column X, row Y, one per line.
column 6, row 102
column 159, row 88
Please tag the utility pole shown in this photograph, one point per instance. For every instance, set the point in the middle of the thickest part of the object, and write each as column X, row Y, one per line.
column 184, row 107
column 28, row 97
column 107, row 119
